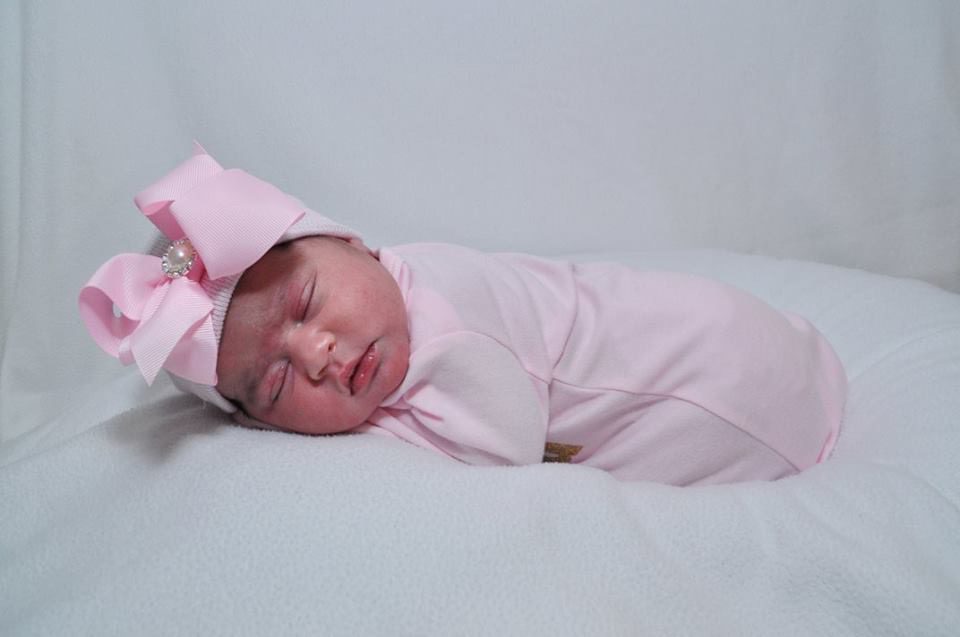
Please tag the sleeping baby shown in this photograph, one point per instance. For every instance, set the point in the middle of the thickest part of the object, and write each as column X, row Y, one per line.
column 286, row 319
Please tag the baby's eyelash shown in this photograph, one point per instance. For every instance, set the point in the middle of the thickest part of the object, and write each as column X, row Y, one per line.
column 306, row 298
column 280, row 383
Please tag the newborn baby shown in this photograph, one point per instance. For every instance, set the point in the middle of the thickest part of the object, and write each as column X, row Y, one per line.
column 491, row 359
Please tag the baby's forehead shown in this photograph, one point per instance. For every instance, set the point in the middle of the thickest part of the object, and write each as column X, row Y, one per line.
column 258, row 300
column 278, row 264
column 266, row 286
column 252, row 320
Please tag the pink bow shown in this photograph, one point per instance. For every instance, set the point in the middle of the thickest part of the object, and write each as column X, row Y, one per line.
column 231, row 219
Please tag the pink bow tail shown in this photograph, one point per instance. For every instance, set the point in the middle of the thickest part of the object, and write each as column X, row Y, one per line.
column 136, row 314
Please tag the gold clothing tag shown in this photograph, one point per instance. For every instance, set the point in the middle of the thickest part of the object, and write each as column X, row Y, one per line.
column 559, row 452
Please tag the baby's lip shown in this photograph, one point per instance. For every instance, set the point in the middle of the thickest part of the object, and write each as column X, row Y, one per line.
column 348, row 371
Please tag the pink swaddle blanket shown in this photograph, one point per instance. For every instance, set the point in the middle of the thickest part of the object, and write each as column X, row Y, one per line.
column 649, row 375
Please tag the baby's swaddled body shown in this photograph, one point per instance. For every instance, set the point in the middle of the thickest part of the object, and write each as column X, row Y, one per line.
column 283, row 317
column 648, row 375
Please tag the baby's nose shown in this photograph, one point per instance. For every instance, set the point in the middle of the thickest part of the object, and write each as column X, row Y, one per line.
column 312, row 350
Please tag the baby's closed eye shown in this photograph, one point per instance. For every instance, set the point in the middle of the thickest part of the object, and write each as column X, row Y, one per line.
column 306, row 299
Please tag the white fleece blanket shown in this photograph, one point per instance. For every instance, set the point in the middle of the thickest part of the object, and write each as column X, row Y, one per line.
column 167, row 520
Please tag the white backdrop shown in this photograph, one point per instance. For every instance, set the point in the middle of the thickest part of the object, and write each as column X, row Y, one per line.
column 820, row 130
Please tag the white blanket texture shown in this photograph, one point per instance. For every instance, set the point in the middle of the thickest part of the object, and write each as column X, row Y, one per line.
column 168, row 520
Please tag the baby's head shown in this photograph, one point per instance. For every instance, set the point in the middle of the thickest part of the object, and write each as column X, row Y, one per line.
column 315, row 337
column 261, row 306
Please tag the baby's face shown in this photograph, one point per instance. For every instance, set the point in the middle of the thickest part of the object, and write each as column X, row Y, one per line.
column 315, row 337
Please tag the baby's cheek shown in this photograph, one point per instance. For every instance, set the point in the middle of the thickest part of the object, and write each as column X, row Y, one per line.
column 401, row 365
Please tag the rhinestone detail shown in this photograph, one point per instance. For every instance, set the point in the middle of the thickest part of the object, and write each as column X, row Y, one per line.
column 178, row 259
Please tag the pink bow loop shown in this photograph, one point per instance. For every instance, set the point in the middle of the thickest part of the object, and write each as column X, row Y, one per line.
column 233, row 218
column 137, row 313
column 154, row 200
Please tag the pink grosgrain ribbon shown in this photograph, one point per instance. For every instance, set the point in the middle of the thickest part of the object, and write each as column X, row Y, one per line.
column 232, row 219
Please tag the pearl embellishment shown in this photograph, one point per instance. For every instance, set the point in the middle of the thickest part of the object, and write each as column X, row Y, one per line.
column 178, row 259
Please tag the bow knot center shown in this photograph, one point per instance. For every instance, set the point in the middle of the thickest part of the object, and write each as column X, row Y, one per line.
column 178, row 259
